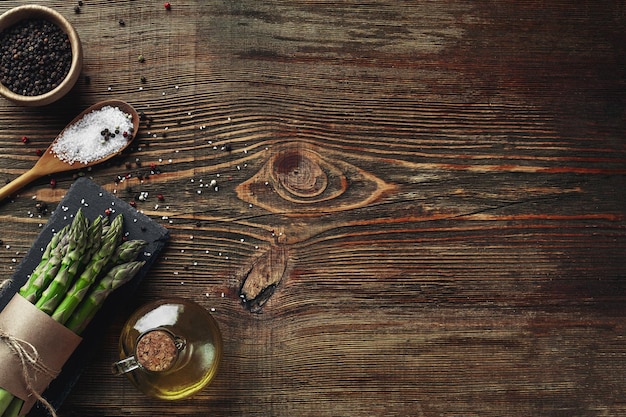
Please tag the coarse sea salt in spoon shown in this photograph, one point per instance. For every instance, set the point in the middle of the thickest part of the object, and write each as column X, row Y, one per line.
column 99, row 133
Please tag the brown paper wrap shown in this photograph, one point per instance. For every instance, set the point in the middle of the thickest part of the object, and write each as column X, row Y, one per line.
column 53, row 342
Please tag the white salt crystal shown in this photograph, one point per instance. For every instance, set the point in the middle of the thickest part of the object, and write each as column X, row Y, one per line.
column 83, row 141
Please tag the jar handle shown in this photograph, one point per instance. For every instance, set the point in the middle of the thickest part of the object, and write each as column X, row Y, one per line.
column 125, row 365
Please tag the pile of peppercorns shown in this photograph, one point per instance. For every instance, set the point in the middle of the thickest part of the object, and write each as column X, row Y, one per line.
column 35, row 57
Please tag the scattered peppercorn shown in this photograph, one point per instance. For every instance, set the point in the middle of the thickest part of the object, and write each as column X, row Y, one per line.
column 38, row 152
column 107, row 212
column 143, row 79
column 141, row 58
column 77, row 9
column 133, row 203
column 42, row 207
column 24, row 139
column 160, row 197
column 80, row 3
column 53, row 183
column 121, row 22
column 167, row 5
column 35, row 56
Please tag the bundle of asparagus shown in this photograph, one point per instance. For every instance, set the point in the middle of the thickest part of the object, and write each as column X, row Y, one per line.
column 81, row 265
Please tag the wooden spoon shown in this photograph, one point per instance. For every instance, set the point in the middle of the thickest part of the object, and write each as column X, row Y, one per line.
column 49, row 163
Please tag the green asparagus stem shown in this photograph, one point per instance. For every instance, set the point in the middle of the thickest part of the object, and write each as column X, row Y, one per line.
column 91, row 273
column 33, row 290
column 53, row 295
column 14, row 408
column 28, row 289
column 94, row 239
column 126, row 252
column 114, row 279
column 56, row 238
column 5, row 400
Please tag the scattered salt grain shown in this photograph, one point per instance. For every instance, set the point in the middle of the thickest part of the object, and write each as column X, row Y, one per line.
column 84, row 142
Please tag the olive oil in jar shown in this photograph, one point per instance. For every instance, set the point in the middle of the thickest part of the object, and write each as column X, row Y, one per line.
column 170, row 349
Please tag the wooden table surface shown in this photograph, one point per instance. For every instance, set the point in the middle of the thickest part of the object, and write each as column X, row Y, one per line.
column 421, row 202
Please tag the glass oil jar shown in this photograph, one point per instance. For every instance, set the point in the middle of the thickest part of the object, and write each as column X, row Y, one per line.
column 170, row 349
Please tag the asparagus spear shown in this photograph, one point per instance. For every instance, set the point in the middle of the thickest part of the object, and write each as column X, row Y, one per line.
column 52, row 296
column 13, row 408
column 126, row 252
column 56, row 238
column 27, row 289
column 94, row 239
column 115, row 278
column 5, row 400
column 33, row 289
column 90, row 274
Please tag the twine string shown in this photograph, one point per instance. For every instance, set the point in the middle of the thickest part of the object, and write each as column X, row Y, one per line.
column 29, row 357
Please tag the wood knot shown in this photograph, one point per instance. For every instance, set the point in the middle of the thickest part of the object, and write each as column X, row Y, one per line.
column 260, row 279
column 299, row 173
column 299, row 179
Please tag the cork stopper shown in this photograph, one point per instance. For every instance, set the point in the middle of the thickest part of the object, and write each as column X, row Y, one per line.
column 156, row 351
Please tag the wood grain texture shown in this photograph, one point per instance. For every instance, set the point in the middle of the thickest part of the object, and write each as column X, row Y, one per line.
column 445, row 182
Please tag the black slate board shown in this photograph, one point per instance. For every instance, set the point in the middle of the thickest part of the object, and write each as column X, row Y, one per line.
column 94, row 201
